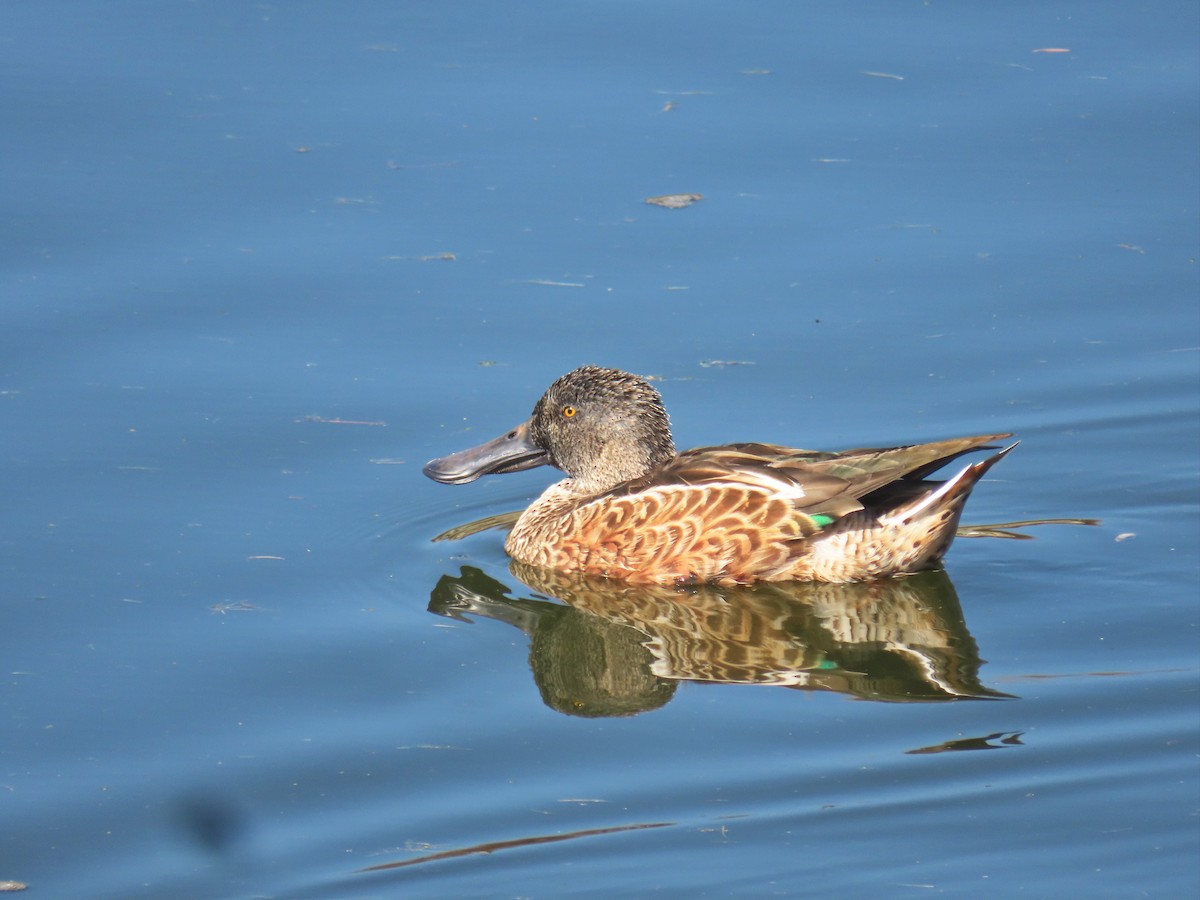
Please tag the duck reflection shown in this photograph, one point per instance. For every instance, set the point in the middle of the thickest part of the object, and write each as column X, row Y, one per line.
column 617, row 649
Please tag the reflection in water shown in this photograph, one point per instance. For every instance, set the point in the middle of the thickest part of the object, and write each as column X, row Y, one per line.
column 620, row 649
column 495, row 846
column 996, row 741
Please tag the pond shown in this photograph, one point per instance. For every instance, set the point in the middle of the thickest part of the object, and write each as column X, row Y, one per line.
column 262, row 262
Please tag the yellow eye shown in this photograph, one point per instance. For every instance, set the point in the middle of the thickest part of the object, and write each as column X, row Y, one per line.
column 568, row 411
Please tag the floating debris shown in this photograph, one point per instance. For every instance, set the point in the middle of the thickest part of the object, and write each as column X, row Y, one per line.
column 1133, row 247
column 546, row 283
column 882, row 75
column 387, row 461
column 235, row 606
column 674, row 201
column 392, row 164
column 713, row 363
column 325, row 421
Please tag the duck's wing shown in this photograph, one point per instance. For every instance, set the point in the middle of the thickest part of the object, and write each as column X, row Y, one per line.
column 746, row 471
column 872, row 468
column 814, row 482
column 914, row 461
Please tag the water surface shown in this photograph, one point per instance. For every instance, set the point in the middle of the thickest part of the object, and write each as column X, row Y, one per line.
column 261, row 262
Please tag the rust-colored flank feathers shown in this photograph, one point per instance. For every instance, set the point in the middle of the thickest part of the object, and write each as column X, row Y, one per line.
column 633, row 509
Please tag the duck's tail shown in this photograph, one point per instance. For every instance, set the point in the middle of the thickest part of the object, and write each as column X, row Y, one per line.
column 946, row 501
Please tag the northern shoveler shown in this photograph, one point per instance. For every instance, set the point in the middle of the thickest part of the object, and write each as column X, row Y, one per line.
column 632, row 508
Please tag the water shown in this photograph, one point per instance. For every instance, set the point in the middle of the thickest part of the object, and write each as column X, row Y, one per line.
column 261, row 262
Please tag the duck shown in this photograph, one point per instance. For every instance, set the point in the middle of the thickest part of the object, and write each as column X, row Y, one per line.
column 632, row 508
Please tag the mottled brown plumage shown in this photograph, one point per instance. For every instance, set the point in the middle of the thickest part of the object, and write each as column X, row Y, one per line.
column 633, row 509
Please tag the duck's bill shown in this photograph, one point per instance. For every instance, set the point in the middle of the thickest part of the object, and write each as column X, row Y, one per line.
column 512, row 452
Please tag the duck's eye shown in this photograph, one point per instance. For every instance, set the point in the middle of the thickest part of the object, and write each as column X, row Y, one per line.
column 568, row 411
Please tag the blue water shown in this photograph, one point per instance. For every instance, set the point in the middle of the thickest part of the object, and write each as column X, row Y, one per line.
column 261, row 262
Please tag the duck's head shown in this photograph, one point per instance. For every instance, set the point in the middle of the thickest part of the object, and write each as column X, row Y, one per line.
column 600, row 426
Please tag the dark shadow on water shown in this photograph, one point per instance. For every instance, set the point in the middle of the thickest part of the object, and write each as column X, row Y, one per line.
column 615, row 649
column 214, row 823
